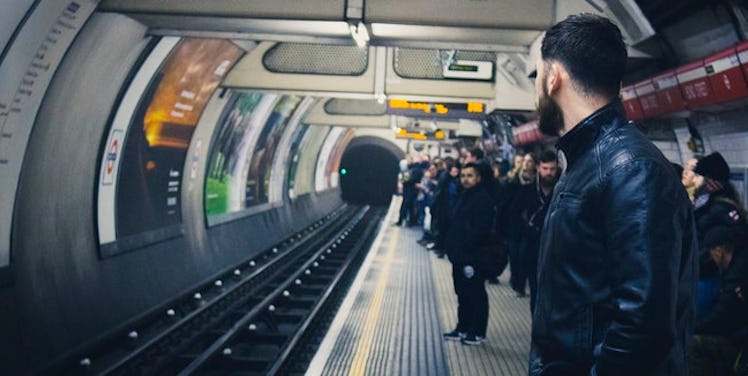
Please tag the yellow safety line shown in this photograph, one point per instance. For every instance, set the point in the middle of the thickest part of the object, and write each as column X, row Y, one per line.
column 361, row 355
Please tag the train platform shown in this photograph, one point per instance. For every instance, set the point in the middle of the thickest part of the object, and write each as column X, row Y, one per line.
column 402, row 300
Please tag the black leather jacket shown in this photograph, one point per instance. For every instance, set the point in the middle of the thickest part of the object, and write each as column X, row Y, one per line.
column 617, row 266
column 470, row 227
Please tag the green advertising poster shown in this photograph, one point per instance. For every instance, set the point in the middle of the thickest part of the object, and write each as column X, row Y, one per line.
column 226, row 152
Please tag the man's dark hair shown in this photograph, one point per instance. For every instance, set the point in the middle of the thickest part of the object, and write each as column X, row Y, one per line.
column 449, row 162
column 591, row 48
column 472, row 165
column 476, row 152
column 547, row 156
column 532, row 156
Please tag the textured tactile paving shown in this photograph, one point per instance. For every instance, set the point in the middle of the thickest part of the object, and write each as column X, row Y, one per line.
column 406, row 302
column 393, row 327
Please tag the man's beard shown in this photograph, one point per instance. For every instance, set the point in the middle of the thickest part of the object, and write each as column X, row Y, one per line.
column 550, row 117
column 547, row 181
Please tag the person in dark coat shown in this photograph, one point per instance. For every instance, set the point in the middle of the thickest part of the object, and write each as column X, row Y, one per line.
column 715, row 204
column 500, row 233
column 617, row 266
column 468, row 234
column 525, row 181
column 441, row 208
column 530, row 206
column 720, row 333
column 408, row 213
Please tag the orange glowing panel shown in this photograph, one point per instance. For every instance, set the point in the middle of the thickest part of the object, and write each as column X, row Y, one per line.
column 190, row 76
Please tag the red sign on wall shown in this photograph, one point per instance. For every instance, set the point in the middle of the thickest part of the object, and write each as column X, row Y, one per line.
column 742, row 51
column 668, row 92
column 726, row 76
column 645, row 91
column 694, row 85
column 631, row 103
column 527, row 133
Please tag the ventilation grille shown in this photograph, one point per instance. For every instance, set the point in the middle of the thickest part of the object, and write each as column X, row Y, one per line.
column 338, row 106
column 428, row 64
column 316, row 59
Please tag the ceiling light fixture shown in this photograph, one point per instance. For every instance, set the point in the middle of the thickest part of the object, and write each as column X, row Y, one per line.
column 359, row 34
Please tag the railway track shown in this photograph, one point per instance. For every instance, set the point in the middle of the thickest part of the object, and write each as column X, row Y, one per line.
column 263, row 316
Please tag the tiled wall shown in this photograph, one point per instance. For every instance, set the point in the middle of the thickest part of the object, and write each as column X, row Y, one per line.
column 670, row 149
column 726, row 132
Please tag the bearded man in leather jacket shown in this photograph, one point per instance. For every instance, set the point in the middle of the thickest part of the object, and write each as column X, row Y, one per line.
column 618, row 264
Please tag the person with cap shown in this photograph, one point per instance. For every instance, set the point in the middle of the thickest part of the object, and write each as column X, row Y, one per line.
column 720, row 334
column 716, row 203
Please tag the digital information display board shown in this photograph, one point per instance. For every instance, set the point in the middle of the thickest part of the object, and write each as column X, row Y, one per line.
column 433, row 110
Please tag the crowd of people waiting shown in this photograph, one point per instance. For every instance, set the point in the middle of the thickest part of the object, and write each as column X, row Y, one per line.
column 486, row 221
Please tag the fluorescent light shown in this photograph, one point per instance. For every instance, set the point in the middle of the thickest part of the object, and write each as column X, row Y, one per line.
column 360, row 34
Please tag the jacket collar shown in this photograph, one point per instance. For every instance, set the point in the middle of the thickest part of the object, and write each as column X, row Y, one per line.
column 580, row 138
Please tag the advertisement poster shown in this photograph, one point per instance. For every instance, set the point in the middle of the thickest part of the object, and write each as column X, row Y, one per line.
column 226, row 152
column 321, row 176
column 296, row 147
column 258, row 178
column 148, row 191
column 332, row 174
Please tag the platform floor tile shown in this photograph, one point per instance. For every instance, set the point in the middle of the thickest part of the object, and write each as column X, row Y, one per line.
column 507, row 344
column 393, row 326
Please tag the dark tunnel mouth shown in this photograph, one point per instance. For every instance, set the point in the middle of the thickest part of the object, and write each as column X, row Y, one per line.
column 368, row 174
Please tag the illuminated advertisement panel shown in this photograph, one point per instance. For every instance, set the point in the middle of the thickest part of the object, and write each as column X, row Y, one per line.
column 154, row 151
column 305, row 177
column 226, row 153
column 258, row 178
column 297, row 145
column 321, row 177
column 333, row 164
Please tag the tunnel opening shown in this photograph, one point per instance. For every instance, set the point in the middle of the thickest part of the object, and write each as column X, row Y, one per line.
column 368, row 174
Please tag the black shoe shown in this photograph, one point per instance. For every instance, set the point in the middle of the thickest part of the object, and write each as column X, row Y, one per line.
column 472, row 340
column 398, row 223
column 494, row 281
column 454, row 335
column 521, row 294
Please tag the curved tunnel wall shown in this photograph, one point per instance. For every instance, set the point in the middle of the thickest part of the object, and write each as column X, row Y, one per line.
column 63, row 294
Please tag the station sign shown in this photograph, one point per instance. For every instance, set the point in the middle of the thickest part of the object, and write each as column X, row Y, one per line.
column 469, row 110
